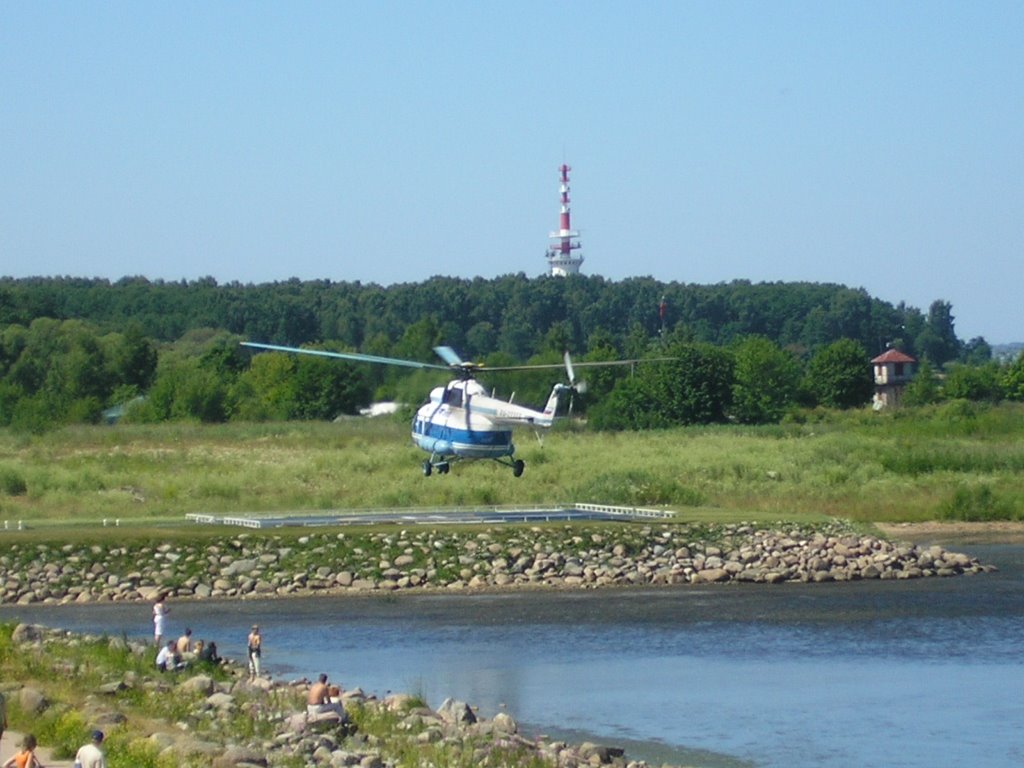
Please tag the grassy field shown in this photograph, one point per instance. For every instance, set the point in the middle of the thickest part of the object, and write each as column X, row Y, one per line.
column 959, row 461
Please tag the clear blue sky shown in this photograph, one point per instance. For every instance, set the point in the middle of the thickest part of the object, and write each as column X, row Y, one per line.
column 874, row 144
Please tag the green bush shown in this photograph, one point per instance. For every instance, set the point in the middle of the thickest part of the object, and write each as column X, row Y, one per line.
column 637, row 488
column 12, row 482
column 63, row 731
column 912, row 460
column 976, row 504
column 124, row 751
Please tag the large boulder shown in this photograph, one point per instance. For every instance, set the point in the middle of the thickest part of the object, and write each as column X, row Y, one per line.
column 598, row 753
column 28, row 633
column 236, row 755
column 32, row 700
column 295, row 723
column 398, row 702
column 198, row 684
column 240, row 566
column 456, row 712
column 504, row 723
column 710, row 575
column 107, row 720
column 162, row 740
column 222, row 701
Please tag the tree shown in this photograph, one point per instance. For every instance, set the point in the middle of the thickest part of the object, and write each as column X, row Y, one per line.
column 202, row 395
column 766, row 381
column 55, row 372
column 938, row 341
column 1012, row 380
column 976, row 351
column 600, row 380
column 418, row 341
column 481, row 339
column 136, row 359
column 326, row 388
column 695, row 387
column 923, row 389
column 973, row 382
column 185, row 389
column 267, row 390
column 839, row 375
column 521, row 310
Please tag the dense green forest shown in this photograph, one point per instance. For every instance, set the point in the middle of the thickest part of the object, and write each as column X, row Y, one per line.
column 514, row 314
column 73, row 347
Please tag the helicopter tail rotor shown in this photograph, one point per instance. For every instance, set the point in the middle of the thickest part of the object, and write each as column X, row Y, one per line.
column 575, row 387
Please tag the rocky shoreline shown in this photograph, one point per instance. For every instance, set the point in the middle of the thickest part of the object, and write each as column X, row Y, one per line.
column 367, row 732
column 282, row 564
column 494, row 558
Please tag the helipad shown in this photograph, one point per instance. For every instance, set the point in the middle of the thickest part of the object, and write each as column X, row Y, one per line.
column 435, row 516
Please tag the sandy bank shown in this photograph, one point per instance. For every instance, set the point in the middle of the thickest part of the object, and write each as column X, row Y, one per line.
column 956, row 532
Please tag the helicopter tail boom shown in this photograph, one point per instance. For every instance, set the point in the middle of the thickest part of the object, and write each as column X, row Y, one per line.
column 551, row 407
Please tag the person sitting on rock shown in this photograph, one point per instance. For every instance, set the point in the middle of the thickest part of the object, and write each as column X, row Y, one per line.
column 168, row 658
column 208, row 653
column 318, row 702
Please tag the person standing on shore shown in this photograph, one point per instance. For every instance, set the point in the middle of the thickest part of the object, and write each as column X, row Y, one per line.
column 160, row 611
column 90, row 756
column 255, row 651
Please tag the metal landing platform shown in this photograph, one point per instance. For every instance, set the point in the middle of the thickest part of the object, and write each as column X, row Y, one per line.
column 437, row 516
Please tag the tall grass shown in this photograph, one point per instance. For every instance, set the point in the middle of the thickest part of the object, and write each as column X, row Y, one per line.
column 902, row 465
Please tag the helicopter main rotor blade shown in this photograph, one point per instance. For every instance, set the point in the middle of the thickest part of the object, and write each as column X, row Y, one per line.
column 575, row 364
column 634, row 361
column 450, row 356
column 358, row 356
column 447, row 354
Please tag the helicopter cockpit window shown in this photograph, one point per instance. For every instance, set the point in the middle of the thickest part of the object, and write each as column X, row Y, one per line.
column 453, row 397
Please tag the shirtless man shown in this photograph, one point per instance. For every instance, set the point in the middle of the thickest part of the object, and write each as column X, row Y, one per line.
column 185, row 642
column 255, row 650
column 319, row 699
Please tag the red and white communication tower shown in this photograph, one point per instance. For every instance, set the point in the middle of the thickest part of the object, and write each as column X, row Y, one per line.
column 561, row 259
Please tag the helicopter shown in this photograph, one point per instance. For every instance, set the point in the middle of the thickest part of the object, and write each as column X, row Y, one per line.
column 461, row 420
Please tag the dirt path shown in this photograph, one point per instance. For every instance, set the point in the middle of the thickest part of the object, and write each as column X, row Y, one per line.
column 981, row 533
column 11, row 743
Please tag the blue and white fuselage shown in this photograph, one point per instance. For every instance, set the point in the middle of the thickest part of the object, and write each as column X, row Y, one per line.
column 462, row 421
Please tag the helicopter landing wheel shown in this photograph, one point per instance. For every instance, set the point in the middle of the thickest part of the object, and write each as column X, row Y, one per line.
column 517, row 467
column 443, row 467
column 427, row 468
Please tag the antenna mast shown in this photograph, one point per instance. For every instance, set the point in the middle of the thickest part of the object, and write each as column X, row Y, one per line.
column 561, row 259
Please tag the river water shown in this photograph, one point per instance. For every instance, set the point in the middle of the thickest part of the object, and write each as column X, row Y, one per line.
column 910, row 673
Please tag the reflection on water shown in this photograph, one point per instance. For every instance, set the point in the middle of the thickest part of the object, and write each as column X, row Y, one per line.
column 912, row 673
